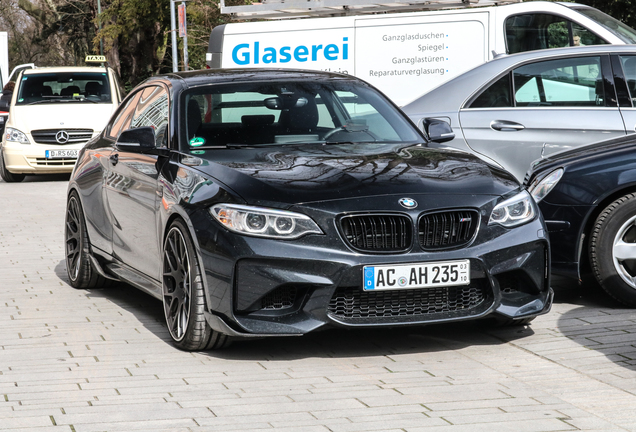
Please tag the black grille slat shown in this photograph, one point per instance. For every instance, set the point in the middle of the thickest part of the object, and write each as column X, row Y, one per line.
column 447, row 229
column 356, row 304
column 377, row 233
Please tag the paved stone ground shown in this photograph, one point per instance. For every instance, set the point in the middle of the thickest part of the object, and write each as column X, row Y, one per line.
column 100, row 360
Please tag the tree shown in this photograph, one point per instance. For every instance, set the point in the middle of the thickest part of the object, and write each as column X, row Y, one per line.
column 26, row 44
column 135, row 33
column 136, row 36
column 622, row 10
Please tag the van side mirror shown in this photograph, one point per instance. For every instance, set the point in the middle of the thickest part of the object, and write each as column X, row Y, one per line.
column 4, row 105
column 138, row 140
column 437, row 130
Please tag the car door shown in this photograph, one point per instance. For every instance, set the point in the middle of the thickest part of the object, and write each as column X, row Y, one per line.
column 97, row 168
column 624, row 67
column 541, row 108
column 133, row 191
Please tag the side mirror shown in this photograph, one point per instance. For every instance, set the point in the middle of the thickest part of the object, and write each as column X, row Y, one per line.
column 4, row 105
column 437, row 130
column 138, row 140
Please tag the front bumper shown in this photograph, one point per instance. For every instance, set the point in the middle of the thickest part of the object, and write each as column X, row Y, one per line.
column 285, row 288
column 31, row 158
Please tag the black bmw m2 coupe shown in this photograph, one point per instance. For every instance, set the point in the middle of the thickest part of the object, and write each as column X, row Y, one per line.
column 271, row 203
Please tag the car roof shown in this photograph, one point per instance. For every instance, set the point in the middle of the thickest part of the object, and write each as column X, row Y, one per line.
column 41, row 70
column 211, row 76
column 452, row 94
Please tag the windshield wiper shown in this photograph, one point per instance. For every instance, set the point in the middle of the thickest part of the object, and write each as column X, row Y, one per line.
column 56, row 100
column 45, row 101
column 236, row 145
column 342, row 142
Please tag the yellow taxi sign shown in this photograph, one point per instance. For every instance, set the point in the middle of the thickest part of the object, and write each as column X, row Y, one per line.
column 95, row 58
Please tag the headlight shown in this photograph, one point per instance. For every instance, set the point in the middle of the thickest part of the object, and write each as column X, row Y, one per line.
column 263, row 222
column 16, row 136
column 514, row 211
column 540, row 189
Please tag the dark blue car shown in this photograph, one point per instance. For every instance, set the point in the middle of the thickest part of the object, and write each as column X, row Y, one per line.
column 588, row 199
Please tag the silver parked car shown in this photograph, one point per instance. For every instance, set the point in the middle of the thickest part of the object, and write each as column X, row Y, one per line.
column 522, row 107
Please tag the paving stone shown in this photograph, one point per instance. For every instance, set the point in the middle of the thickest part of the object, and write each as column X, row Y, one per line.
column 101, row 360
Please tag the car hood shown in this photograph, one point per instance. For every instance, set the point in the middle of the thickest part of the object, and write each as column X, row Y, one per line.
column 81, row 115
column 593, row 152
column 312, row 173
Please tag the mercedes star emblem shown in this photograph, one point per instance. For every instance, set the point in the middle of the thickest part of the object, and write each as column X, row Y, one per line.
column 61, row 137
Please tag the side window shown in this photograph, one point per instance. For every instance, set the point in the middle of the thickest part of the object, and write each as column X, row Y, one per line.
column 122, row 121
column 629, row 69
column 531, row 32
column 565, row 82
column 497, row 95
column 152, row 110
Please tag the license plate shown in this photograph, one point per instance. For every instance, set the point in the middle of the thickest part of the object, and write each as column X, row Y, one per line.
column 422, row 275
column 61, row 154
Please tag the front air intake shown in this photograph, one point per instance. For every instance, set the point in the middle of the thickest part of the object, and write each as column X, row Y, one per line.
column 359, row 306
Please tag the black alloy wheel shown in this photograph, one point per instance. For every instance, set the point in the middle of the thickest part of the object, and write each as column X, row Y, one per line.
column 78, row 264
column 6, row 175
column 183, row 294
column 613, row 249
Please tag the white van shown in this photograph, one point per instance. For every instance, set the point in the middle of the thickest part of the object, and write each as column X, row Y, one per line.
column 54, row 111
column 407, row 54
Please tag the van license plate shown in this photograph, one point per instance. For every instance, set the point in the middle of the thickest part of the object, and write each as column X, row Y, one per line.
column 412, row 276
column 61, row 154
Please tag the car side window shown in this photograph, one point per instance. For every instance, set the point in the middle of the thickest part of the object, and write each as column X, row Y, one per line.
column 564, row 82
column 496, row 95
column 152, row 111
column 629, row 69
column 124, row 116
column 529, row 32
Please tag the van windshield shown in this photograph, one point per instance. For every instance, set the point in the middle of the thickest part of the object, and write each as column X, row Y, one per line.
column 622, row 31
column 64, row 87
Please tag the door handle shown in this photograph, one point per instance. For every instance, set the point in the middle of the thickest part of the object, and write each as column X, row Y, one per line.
column 506, row 126
column 114, row 159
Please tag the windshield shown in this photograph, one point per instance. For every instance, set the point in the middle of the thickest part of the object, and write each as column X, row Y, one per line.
column 622, row 31
column 61, row 87
column 280, row 113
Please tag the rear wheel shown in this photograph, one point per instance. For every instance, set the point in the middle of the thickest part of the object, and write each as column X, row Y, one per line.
column 613, row 249
column 6, row 175
column 78, row 264
column 183, row 294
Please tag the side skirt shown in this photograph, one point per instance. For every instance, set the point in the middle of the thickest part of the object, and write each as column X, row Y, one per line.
column 136, row 279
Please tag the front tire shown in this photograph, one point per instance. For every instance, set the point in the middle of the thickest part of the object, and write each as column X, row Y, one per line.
column 6, row 175
column 613, row 249
column 183, row 294
column 78, row 264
